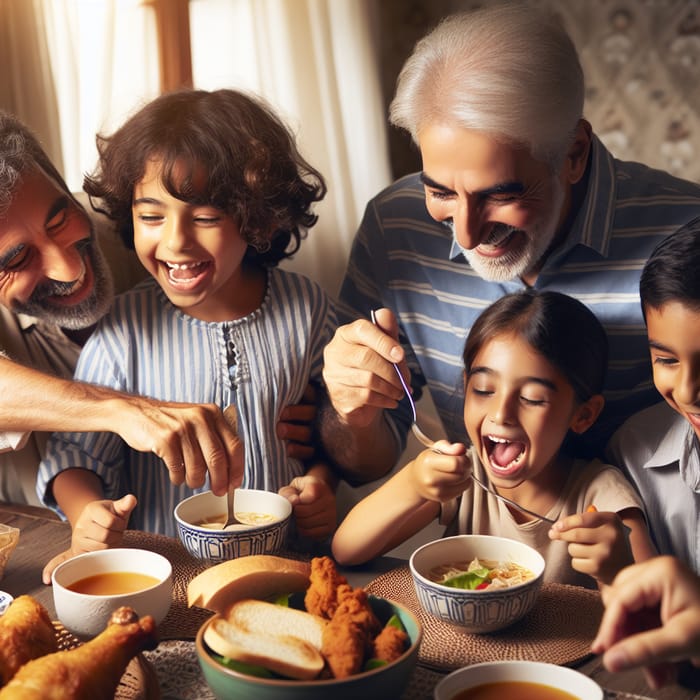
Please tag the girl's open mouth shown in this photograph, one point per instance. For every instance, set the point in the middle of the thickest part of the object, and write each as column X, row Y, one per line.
column 505, row 455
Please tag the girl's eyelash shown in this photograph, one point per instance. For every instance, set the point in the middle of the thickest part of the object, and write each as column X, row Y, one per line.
column 533, row 402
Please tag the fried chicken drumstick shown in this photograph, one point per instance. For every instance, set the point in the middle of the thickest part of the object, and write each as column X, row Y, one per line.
column 26, row 632
column 89, row 672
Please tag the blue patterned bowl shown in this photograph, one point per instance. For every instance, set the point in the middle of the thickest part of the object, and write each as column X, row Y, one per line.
column 476, row 611
column 204, row 540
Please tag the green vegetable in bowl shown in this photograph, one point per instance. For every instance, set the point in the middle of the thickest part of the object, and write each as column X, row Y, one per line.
column 470, row 580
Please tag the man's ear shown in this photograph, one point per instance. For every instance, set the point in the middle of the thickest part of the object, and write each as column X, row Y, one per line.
column 577, row 155
column 586, row 414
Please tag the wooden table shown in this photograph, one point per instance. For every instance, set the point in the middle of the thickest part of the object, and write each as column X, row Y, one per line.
column 43, row 536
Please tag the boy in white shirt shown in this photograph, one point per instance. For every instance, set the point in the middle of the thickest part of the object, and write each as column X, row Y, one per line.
column 659, row 447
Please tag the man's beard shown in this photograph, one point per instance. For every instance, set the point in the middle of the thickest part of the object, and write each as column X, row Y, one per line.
column 518, row 262
column 87, row 312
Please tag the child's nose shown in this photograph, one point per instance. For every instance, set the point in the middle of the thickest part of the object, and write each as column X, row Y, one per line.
column 687, row 391
column 177, row 236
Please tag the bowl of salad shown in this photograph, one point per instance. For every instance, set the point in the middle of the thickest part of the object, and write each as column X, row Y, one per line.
column 478, row 583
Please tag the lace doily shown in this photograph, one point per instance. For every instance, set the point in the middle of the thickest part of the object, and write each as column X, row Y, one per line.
column 179, row 675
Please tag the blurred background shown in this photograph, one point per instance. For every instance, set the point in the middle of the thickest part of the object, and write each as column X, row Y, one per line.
column 71, row 68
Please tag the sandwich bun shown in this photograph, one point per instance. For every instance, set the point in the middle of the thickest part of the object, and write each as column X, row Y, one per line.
column 256, row 576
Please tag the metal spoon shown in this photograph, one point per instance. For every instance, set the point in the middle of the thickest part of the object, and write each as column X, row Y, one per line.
column 232, row 419
column 427, row 442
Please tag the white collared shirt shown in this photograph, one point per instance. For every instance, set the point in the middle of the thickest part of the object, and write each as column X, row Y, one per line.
column 660, row 453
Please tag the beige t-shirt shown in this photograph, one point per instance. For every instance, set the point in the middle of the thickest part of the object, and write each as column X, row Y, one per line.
column 477, row 512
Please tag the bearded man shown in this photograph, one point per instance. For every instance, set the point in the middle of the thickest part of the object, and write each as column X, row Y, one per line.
column 516, row 191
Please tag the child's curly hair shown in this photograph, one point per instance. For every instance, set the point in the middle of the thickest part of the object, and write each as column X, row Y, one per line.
column 254, row 171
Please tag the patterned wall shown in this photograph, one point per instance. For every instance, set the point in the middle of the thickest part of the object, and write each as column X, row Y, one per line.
column 641, row 60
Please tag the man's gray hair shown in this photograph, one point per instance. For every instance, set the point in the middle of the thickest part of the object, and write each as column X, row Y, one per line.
column 509, row 71
column 20, row 152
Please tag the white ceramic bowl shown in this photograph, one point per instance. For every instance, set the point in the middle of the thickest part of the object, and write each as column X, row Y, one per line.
column 476, row 611
column 559, row 677
column 204, row 542
column 86, row 615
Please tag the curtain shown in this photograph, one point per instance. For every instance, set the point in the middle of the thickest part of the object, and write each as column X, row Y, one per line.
column 104, row 61
column 26, row 86
column 315, row 62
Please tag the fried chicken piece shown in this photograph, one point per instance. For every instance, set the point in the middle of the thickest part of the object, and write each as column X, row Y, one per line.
column 88, row 672
column 389, row 644
column 348, row 636
column 26, row 632
column 321, row 595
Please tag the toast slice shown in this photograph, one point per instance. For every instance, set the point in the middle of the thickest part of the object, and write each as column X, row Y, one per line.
column 270, row 619
column 284, row 654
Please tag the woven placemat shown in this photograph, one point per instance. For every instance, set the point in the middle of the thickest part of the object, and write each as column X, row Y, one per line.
column 559, row 629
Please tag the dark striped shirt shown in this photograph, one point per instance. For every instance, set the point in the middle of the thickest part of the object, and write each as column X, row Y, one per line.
column 403, row 259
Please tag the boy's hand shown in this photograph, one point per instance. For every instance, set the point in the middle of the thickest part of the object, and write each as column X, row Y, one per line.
column 652, row 618
column 441, row 473
column 100, row 525
column 314, row 504
column 598, row 543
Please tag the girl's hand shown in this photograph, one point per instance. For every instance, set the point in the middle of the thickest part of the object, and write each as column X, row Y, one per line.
column 100, row 525
column 441, row 473
column 598, row 543
column 314, row 503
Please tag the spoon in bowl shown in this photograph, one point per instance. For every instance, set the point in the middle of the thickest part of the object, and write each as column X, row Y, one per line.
column 232, row 419
column 427, row 442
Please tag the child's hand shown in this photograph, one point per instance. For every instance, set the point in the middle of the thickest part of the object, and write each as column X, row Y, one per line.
column 314, row 504
column 295, row 426
column 101, row 525
column 598, row 543
column 441, row 473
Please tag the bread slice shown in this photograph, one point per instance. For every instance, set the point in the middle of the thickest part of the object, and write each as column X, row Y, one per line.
column 286, row 655
column 267, row 618
column 255, row 576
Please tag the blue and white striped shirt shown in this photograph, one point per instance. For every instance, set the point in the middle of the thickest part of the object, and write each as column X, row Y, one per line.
column 147, row 346
column 405, row 260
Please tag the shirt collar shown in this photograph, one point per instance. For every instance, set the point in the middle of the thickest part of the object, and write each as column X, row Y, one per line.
column 679, row 446
column 593, row 224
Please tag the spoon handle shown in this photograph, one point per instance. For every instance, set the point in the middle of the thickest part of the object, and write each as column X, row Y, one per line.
column 515, row 505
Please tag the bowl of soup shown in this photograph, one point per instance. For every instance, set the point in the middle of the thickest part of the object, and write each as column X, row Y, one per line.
column 517, row 680
column 90, row 586
column 478, row 583
column 262, row 525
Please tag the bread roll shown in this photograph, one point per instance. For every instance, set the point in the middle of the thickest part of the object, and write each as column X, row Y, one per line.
column 256, row 576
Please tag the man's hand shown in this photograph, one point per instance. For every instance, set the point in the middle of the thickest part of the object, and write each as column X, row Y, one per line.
column 296, row 426
column 358, row 371
column 191, row 439
column 101, row 525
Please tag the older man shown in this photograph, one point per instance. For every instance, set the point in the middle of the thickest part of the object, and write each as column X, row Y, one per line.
column 515, row 191
column 54, row 285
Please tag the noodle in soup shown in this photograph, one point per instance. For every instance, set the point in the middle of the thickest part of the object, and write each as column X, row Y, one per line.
column 480, row 574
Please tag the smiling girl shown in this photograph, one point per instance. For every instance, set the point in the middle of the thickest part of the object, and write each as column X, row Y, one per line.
column 534, row 365
column 211, row 191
